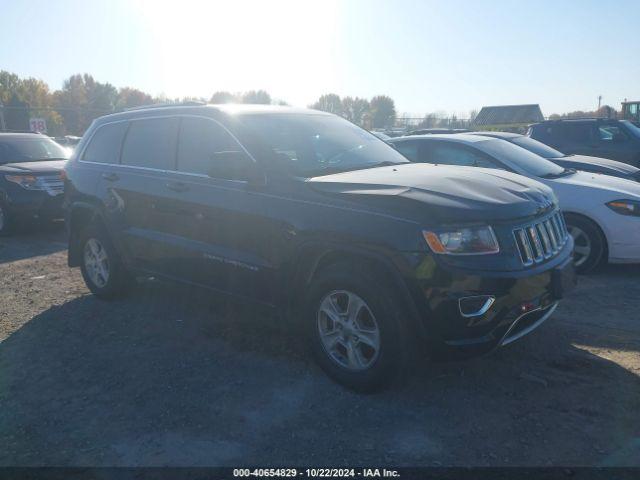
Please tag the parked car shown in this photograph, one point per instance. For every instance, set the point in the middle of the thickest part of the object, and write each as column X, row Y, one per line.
column 606, row 138
column 31, row 185
column 577, row 162
column 381, row 135
column 69, row 141
column 309, row 214
column 429, row 131
column 602, row 212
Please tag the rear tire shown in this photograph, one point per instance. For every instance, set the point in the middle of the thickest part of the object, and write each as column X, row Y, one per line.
column 590, row 244
column 354, row 327
column 101, row 266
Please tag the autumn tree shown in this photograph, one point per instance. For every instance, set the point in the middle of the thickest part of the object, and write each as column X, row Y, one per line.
column 329, row 102
column 132, row 97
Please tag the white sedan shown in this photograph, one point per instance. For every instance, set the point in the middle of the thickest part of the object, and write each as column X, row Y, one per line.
column 602, row 212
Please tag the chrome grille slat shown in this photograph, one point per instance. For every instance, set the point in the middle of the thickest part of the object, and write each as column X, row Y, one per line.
column 552, row 235
column 541, row 240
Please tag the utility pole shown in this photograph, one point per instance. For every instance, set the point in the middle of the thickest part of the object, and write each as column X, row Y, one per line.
column 599, row 101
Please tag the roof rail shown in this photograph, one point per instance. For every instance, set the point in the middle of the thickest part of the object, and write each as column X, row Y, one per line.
column 580, row 118
column 190, row 103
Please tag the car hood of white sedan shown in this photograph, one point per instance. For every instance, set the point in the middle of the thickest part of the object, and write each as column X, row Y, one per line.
column 619, row 187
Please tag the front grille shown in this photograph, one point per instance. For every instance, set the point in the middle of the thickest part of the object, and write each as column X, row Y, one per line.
column 52, row 184
column 542, row 239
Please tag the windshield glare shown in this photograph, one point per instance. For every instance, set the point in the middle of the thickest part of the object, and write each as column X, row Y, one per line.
column 520, row 158
column 19, row 150
column 309, row 145
column 632, row 128
column 534, row 146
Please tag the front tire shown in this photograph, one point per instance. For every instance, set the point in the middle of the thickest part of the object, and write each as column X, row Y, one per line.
column 589, row 243
column 101, row 266
column 354, row 326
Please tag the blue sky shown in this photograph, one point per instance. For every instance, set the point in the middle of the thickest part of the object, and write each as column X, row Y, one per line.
column 427, row 55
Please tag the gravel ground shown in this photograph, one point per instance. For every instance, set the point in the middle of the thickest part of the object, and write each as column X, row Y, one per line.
column 172, row 376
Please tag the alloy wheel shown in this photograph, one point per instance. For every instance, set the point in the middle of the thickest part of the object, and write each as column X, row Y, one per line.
column 96, row 262
column 582, row 245
column 348, row 330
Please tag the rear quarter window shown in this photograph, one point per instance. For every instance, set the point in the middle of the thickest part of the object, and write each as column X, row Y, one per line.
column 151, row 143
column 104, row 146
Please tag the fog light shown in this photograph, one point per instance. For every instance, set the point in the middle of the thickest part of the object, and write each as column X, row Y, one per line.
column 475, row 306
column 527, row 307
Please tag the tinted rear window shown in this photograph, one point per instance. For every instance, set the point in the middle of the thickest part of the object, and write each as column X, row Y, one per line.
column 151, row 143
column 105, row 144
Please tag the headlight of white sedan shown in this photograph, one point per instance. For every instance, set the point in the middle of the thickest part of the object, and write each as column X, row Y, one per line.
column 625, row 207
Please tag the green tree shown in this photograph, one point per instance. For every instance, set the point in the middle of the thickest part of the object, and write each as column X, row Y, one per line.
column 223, row 97
column 383, row 111
column 355, row 109
column 329, row 102
column 259, row 97
column 82, row 99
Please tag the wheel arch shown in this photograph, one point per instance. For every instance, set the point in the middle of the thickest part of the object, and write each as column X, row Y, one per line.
column 312, row 259
column 79, row 215
column 598, row 226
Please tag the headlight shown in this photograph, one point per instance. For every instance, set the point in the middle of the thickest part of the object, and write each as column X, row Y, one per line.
column 463, row 241
column 625, row 207
column 30, row 182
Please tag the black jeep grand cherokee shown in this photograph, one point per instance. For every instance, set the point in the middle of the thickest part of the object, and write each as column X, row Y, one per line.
column 304, row 211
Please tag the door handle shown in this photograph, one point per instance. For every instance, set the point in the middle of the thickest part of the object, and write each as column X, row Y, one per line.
column 177, row 186
column 111, row 177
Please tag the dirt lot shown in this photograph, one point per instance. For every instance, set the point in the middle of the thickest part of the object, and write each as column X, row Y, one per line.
column 171, row 376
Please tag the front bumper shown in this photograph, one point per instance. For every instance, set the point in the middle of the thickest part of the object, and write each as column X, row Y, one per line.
column 32, row 204
column 519, row 303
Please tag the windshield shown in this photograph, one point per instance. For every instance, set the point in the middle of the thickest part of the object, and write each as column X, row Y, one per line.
column 632, row 128
column 310, row 145
column 19, row 150
column 534, row 146
column 520, row 158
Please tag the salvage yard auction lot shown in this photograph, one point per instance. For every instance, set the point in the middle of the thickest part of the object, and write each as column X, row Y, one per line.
column 174, row 376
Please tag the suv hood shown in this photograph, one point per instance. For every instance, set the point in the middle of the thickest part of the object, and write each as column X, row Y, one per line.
column 44, row 166
column 596, row 164
column 441, row 193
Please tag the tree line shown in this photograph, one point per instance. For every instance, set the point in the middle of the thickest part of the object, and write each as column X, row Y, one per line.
column 70, row 110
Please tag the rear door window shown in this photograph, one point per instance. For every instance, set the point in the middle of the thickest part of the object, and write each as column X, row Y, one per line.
column 201, row 142
column 105, row 144
column 151, row 143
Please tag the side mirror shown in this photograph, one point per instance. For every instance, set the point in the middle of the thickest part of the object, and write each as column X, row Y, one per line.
column 232, row 165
